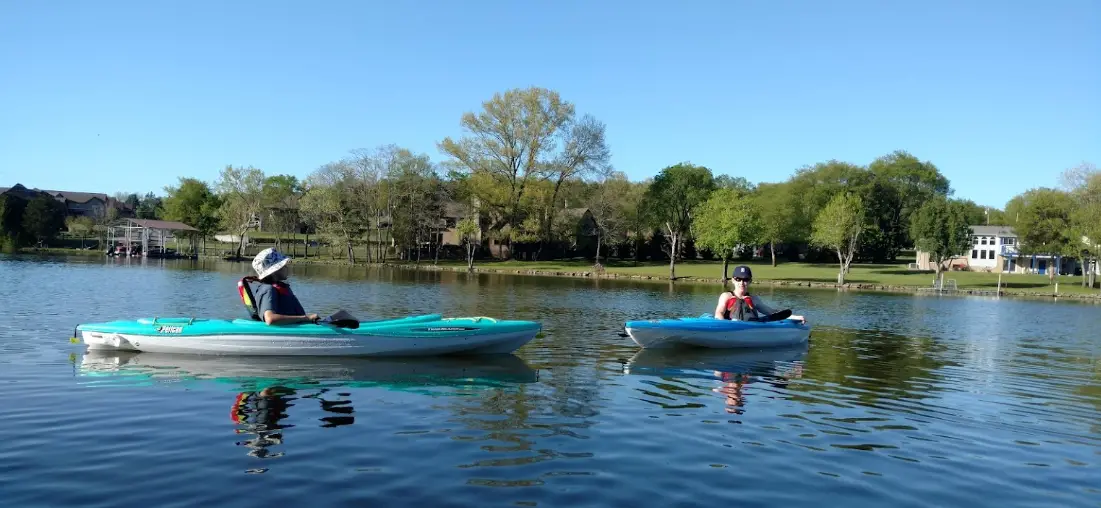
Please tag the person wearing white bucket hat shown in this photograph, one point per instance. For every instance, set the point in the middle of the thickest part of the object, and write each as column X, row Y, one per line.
column 275, row 303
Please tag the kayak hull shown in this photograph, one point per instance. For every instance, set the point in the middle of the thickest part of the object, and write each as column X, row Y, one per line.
column 424, row 335
column 708, row 332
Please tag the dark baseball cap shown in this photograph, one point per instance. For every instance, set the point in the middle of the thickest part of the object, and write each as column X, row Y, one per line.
column 742, row 272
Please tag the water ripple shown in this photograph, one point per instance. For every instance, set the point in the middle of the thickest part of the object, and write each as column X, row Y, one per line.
column 897, row 400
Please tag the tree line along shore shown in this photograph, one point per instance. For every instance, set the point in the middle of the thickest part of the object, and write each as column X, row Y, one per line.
column 529, row 180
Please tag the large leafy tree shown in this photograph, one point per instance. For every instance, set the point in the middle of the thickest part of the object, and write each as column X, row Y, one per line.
column 194, row 203
column 44, row 217
column 901, row 183
column 1084, row 184
column 331, row 202
column 522, row 136
column 778, row 212
column 672, row 199
column 280, row 194
column 838, row 227
column 816, row 185
column 1045, row 224
column 241, row 192
column 726, row 221
column 12, row 235
column 942, row 228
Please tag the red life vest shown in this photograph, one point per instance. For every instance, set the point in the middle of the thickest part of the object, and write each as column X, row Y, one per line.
column 740, row 308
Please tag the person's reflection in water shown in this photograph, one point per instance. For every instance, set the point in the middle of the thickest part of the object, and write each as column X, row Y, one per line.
column 733, row 383
column 732, row 388
column 259, row 413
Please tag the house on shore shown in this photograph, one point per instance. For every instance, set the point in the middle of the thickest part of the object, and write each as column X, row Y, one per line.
column 996, row 249
column 77, row 204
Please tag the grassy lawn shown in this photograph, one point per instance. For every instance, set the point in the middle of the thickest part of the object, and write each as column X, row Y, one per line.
column 888, row 275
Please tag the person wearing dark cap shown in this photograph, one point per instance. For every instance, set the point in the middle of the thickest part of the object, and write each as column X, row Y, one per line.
column 739, row 305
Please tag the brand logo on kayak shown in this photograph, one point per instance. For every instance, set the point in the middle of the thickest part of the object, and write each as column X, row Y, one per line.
column 169, row 329
column 449, row 329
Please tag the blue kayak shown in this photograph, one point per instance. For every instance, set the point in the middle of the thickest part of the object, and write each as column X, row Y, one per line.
column 706, row 331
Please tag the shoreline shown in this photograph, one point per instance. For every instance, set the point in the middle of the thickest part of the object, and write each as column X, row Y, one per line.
column 592, row 275
column 848, row 286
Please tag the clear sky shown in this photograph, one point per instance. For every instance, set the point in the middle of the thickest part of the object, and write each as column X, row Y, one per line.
column 1000, row 95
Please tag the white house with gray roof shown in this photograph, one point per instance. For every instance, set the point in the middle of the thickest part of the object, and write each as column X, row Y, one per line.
column 995, row 249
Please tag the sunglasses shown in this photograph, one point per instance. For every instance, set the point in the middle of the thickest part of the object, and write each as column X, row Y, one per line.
column 739, row 279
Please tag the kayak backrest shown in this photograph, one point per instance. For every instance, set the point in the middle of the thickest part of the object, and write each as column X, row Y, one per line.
column 245, row 291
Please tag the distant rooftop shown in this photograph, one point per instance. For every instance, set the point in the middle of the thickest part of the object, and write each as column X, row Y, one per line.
column 75, row 197
column 993, row 230
column 157, row 224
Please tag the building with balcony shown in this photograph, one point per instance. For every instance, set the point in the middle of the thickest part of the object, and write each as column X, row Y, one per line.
column 995, row 249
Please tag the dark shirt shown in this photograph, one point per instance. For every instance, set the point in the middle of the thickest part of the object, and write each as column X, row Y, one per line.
column 279, row 301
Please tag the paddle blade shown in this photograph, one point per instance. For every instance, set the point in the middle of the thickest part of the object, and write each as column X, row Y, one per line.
column 345, row 323
column 778, row 316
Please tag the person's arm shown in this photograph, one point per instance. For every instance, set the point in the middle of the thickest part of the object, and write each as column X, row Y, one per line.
column 721, row 307
column 767, row 310
column 272, row 318
column 763, row 307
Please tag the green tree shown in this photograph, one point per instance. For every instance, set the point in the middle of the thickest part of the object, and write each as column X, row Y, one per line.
column 778, row 211
column 1084, row 184
column 816, row 185
column 942, row 228
column 43, row 218
column 610, row 205
column 331, row 203
column 520, row 136
column 902, row 184
column 1013, row 210
column 192, row 202
column 672, row 198
column 418, row 198
column 280, row 195
column 12, row 235
column 727, row 220
column 738, row 183
column 1044, row 225
column 976, row 214
column 150, row 207
column 838, row 227
column 80, row 225
column 469, row 230
column 241, row 193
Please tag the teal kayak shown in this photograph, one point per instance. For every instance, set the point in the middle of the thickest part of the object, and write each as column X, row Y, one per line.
column 428, row 334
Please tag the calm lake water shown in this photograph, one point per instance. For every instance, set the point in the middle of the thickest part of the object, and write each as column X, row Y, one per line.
column 897, row 401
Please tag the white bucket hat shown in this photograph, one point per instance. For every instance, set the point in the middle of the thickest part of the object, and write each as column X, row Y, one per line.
column 268, row 261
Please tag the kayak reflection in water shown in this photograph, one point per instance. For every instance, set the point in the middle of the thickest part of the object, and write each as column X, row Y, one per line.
column 739, row 305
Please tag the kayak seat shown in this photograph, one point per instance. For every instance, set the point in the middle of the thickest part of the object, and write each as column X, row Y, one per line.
column 244, row 290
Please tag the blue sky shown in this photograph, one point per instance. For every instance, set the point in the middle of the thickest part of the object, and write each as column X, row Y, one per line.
column 1010, row 89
